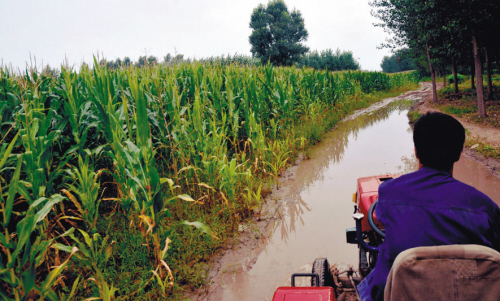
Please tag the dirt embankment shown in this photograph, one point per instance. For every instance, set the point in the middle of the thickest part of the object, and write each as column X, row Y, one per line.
column 489, row 135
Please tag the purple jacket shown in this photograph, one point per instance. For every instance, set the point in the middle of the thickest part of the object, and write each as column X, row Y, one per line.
column 429, row 208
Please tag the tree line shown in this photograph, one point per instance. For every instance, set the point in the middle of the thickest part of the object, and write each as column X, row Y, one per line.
column 278, row 37
column 398, row 62
column 324, row 60
column 447, row 33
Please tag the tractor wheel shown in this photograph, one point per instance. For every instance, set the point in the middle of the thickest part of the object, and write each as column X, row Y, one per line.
column 322, row 268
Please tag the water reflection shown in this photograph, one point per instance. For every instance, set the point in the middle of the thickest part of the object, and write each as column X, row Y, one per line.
column 470, row 172
column 410, row 164
column 292, row 215
column 334, row 149
column 319, row 201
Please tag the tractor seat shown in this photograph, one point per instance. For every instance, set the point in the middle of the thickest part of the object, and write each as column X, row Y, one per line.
column 454, row 272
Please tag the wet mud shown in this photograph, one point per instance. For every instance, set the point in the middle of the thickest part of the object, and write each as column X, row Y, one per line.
column 307, row 217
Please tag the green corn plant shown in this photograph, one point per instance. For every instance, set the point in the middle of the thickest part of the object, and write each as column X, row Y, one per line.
column 25, row 249
column 75, row 106
column 229, row 178
column 280, row 158
column 40, row 165
column 254, row 199
column 183, row 125
column 91, row 250
column 72, row 294
column 86, row 187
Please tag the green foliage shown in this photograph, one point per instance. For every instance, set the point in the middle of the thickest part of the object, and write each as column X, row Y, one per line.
column 398, row 62
column 443, row 32
column 149, row 158
column 479, row 145
column 87, row 189
column 236, row 59
column 413, row 116
column 329, row 60
column 458, row 111
column 277, row 34
column 451, row 78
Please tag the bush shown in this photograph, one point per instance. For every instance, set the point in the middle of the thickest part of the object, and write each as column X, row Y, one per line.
column 451, row 79
column 329, row 60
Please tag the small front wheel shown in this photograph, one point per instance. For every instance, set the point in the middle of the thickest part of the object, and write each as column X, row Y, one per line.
column 322, row 268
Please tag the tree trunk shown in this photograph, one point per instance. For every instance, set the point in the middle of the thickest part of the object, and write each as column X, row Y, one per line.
column 472, row 85
column 488, row 75
column 444, row 75
column 481, row 110
column 433, row 74
column 455, row 77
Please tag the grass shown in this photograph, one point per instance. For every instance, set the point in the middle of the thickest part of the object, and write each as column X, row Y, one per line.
column 414, row 115
column 428, row 79
column 481, row 146
column 464, row 105
column 458, row 111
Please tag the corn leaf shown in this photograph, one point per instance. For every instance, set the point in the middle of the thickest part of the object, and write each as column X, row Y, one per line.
column 12, row 193
column 51, row 278
column 201, row 226
column 186, row 198
column 8, row 151
column 40, row 215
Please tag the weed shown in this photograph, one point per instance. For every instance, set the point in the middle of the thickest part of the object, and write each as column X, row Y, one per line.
column 480, row 145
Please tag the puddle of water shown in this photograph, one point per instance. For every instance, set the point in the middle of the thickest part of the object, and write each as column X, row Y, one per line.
column 470, row 172
column 319, row 207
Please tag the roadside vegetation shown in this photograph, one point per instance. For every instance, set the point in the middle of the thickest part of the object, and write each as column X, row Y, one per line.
column 122, row 183
column 460, row 36
column 463, row 105
column 398, row 62
column 437, row 38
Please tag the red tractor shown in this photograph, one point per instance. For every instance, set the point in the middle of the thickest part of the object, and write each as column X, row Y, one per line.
column 424, row 273
column 327, row 283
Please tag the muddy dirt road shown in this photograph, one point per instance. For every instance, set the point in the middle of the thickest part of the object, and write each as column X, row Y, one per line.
column 315, row 202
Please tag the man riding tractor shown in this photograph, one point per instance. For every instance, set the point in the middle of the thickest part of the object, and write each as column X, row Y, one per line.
column 444, row 231
column 429, row 207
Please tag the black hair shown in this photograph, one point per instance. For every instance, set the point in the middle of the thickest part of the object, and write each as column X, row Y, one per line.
column 439, row 140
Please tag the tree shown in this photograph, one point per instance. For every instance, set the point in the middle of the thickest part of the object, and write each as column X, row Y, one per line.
column 152, row 60
column 445, row 30
column 398, row 62
column 329, row 60
column 178, row 58
column 415, row 24
column 142, row 61
column 50, row 72
column 277, row 34
column 118, row 63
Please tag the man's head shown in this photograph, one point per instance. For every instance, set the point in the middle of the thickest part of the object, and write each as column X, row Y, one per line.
column 439, row 140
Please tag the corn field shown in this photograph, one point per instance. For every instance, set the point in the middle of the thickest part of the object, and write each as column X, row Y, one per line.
column 115, row 184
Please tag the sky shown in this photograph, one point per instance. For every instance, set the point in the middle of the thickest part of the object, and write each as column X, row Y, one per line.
column 57, row 31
